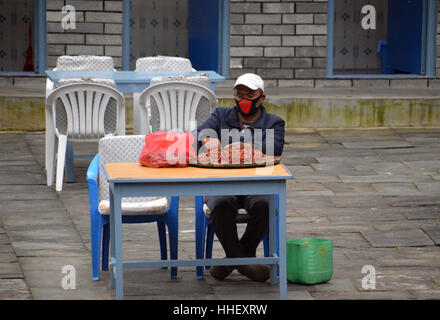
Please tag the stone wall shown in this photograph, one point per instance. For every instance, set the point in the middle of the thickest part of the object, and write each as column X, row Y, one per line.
column 286, row 42
column 282, row 40
column 98, row 30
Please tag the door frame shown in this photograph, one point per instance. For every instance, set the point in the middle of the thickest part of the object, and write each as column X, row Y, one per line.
column 429, row 57
column 223, row 62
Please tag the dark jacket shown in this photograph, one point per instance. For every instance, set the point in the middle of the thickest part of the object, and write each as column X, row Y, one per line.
column 227, row 118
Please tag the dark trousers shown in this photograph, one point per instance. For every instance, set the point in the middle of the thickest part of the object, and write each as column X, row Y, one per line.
column 224, row 211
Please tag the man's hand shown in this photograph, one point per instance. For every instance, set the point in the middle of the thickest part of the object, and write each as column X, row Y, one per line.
column 212, row 145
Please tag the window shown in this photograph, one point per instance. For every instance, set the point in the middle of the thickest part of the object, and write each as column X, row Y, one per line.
column 379, row 38
column 22, row 36
column 196, row 29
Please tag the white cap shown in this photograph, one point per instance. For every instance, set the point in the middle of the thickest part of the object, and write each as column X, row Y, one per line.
column 250, row 80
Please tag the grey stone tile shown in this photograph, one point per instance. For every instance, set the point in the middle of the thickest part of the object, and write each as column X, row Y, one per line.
column 333, row 211
column 56, row 263
column 44, row 237
column 412, row 257
column 423, row 164
column 306, row 186
column 6, row 248
column 80, row 293
column 25, row 206
column 366, row 217
column 385, row 178
column 434, row 234
column 325, row 193
column 351, row 188
column 329, row 166
column 309, row 202
column 386, row 168
column 411, row 201
column 157, row 282
column 411, row 157
column 315, row 177
column 14, row 289
column 396, row 189
column 349, row 160
column 301, row 169
column 403, row 279
column 22, row 178
column 340, row 239
column 26, row 192
column 338, row 285
column 376, row 144
column 8, row 257
column 298, row 161
column 406, row 224
column 364, row 295
column 33, row 248
column 10, row 270
column 413, row 150
column 397, row 238
column 58, row 234
column 429, row 188
column 423, row 140
column 359, row 202
column 412, row 213
column 426, row 294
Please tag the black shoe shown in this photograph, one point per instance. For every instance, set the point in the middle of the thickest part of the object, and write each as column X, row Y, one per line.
column 258, row 272
column 220, row 272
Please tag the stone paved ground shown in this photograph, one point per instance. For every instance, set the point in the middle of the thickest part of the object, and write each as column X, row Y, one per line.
column 374, row 192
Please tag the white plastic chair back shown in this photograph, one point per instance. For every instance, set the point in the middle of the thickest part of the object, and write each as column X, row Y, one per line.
column 119, row 149
column 110, row 116
column 203, row 111
column 177, row 104
column 91, row 111
column 164, row 63
column 200, row 79
column 85, row 63
column 80, row 63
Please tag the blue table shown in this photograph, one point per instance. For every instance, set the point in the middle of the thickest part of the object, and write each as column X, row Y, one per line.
column 131, row 82
column 134, row 180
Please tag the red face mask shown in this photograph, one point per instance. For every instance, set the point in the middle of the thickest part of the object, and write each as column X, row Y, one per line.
column 247, row 107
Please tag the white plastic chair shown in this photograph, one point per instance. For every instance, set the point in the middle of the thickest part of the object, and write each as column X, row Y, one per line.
column 164, row 63
column 177, row 106
column 80, row 63
column 156, row 64
column 77, row 63
column 91, row 111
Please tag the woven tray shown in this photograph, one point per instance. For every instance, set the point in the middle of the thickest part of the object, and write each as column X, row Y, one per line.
column 234, row 165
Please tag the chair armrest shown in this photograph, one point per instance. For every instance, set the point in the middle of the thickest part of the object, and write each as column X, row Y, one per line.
column 93, row 170
column 92, row 182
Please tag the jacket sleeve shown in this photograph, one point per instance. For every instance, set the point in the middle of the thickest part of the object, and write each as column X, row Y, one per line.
column 279, row 129
column 277, row 140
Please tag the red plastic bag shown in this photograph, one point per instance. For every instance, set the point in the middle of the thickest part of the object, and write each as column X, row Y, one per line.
column 167, row 149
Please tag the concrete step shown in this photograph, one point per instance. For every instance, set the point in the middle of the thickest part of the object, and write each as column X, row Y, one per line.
column 22, row 106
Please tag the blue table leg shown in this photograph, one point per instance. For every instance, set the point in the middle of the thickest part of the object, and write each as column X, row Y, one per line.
column 272, row 238
column 112, row 237
column 118, row 242
column 282, row 241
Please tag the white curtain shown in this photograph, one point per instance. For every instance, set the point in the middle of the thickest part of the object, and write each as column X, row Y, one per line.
column 15, row 18
column 158, row 27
